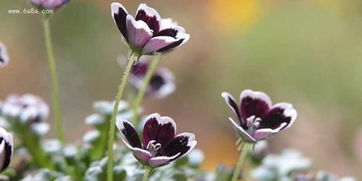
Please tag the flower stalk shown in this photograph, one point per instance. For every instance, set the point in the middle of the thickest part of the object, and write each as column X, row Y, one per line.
column 244, row 149
column 147, row 174
column 141, row 93
column 32, row 144
column 132, row 59
column 54, row 79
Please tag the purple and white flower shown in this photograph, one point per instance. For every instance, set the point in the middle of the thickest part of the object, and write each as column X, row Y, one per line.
column 257, row 117
column 6, row 148
column 28, row 109
column 147, row 33
column 49, row 4
column 160, row 144
column 162, row 82
column 4, row 58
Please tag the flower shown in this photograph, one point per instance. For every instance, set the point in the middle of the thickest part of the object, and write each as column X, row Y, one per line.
column 160, row 143
column 162, row 82
column 277, row 167
column 6, row 148
column 4, row 58
column 258, row 118
column 28, row 108
column 49, row 4
column 326, row 176
column 147, row 33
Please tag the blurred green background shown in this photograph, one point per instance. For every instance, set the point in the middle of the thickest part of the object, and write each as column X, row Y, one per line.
column 307, row 52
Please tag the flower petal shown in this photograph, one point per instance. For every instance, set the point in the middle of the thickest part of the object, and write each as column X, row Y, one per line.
column 230, row 101
column 119, row 14
column 4, row 58
column 167, row 23
column 163, row 43
column 181, row 39
column 181, row 144
column 262, row 133
column 6, row 148
column 162, row 83
column 141, row 155
column 150, row 16
column 254, row 103
column 171, row 31
column 161, row 160
column 129, row 132
column 280, row 113
column 138, row 32
column 160, row 129
column 242, row 132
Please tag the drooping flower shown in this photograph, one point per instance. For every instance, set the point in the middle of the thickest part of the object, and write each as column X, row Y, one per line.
column 160, row 144
column 257, row 117
column 147, row 33
column 162, row 82
column 28, row 109
column 49, row 4
column 4, row 58
column 6, row 148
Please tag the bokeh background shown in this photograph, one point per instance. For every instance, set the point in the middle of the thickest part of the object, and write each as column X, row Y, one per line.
column 307, row 52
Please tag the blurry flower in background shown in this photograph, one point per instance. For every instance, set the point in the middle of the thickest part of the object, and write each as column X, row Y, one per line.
column 160, row 144
column 4, row 58
column 279, row 167
column 326, row 176
column 257, row 117
column 6, row 148
column 147, row 33
column 106, row 107
column 49, row 4
column 233, row 16
column 161, row 83
column 28, row 109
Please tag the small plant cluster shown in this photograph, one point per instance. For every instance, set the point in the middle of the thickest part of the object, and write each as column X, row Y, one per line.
column 159, row 153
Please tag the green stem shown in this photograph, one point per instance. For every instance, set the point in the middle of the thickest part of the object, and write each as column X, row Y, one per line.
column 147, row 174
column 32, row 144
column 54, row 79
column 244, row 150
column 132, row 59
column 141, row 93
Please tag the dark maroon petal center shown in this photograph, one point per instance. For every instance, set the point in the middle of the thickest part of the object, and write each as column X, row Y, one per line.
column 131, row 135
column 151, row 21
column 178, row 145
column 120, row 20
column 161, row 133
column 167, row 32
column 275, row 118
column 157, row 81
column 253, row 107
column 170, row 46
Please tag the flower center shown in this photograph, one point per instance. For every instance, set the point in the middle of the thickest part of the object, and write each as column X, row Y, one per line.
column 253, row 123
column 153, row 147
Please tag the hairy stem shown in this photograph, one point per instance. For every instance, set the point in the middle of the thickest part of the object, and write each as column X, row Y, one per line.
column 141, row 93
column 132, row 59
column 147, row 174
column 244, row 151
column 54, row 80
